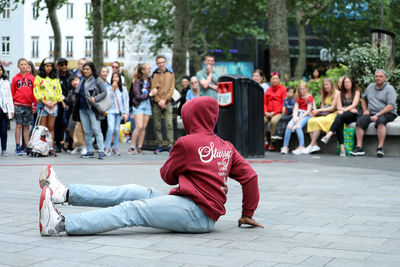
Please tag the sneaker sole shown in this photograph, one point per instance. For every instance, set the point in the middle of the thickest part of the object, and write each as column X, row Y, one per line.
column 44, row 174
column 380, row 155
column 357, row 153
column 42, row 211
column 88, row 157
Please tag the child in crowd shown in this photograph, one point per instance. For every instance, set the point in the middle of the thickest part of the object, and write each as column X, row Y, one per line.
column 199, row 165
column 48, row 93
column 287, row 110
column 80, row 146
column 303, row 105
column 24, row 103
column 119, row 108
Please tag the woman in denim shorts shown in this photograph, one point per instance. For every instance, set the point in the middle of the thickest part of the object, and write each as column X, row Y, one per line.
column 47, row 91
column 140, row 95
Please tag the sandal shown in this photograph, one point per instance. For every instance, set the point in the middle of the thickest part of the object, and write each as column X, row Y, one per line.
column 140, row 151
column 132, row 150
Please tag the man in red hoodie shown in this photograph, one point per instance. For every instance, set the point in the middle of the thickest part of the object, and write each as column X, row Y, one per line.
column 273, row 104
column 24, row 103
column 199, row 164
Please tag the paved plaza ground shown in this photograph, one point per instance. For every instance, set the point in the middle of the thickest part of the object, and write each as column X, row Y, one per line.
column 318, row 210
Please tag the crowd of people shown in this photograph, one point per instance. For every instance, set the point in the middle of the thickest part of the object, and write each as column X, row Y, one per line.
column 289, row 110
column 67, row 102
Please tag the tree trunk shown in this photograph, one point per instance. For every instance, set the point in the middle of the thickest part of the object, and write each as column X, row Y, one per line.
column 52, row 10
column 180, row 46
column 97, row 33
column 195, row 57
column 301, row 32
column 279, row 57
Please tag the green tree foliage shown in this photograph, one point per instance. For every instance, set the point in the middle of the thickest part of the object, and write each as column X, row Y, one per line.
column 212, row 24
column 351, row 21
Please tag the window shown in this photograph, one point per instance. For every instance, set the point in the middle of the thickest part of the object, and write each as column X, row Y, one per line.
column 7, row 11
column 5, row 45
column 70, row 11
column 121, row 47
column 88, row 46
column 70, row 42
column 51, row 46
column 35, row 47
column 105, row 48
column 88, row 9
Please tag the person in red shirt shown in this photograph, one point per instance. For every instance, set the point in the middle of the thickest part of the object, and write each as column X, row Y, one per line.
column 273, row 104
column 24, row 103
column 199, row 165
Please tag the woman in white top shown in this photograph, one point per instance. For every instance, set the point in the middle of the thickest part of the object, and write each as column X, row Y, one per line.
column 6, row 109
column 259, row 77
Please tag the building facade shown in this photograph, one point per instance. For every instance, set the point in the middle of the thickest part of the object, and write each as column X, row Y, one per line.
column 25, row 32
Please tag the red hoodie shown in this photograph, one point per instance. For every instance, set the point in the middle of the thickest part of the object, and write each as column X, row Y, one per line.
column 273, row 99
column 22, row 90
column 200, row 163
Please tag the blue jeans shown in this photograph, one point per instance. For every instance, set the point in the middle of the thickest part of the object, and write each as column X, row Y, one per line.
column 113, row 122
column 299, row 131
column 132, row 120
column 91, row 124
column 133, row 205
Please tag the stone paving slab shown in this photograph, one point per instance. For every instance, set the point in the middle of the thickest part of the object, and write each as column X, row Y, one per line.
column 318, row 210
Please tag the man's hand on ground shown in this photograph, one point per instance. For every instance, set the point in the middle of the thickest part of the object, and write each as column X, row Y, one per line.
column 249, row 221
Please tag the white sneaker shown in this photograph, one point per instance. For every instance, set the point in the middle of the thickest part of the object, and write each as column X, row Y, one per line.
column 284, row 150
column 325, row 139
column 107, row 152
column 48, row 177
column 51, row 221
column 298, row 151
column 83, row 150
column 307, row 150
column 76, row 150
column 315, row 149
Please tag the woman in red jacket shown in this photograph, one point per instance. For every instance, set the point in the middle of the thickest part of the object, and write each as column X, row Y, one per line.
column 273, row 104
column 199, row 165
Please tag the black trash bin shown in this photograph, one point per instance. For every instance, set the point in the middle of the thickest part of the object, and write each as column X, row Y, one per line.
column 241, row 114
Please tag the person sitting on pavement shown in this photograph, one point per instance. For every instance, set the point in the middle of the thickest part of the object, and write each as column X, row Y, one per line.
column 323, row 117
column 347, row 112
column 303, row 105
column 273, row 104
column 288, row 105
column 379, row 105
column 199, row 164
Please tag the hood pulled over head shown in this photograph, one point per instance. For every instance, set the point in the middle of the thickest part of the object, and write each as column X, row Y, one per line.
column 200, row 114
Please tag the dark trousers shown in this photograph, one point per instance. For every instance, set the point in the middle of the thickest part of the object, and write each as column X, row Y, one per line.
column 3, row 130
column 59, row 126
column 338, row 125
column 281, row 128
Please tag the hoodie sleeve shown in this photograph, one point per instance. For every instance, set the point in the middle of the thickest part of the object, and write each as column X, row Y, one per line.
column 175, row 165
column 242, row 172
